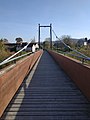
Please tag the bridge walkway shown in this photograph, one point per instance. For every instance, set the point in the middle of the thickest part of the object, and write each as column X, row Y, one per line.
column 49, row 94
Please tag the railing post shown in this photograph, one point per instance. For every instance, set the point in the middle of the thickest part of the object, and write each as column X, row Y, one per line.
column 83, row 60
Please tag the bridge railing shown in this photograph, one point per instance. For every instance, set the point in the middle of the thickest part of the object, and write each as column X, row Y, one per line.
column 76, row 55
column 11, row 80
column 15, row 58
column 81, row 58
column 78, row 72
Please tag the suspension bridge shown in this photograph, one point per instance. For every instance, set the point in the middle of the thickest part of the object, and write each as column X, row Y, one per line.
column 45, row 85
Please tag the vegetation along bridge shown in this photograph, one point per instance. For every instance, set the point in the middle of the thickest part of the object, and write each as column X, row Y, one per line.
column 47, row 93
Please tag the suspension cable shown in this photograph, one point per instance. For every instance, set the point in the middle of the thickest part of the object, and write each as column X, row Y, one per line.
column 15, row 54
column 84, row 56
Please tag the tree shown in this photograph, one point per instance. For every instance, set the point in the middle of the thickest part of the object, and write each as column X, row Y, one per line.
column 46, row 44
column 66, row 39
column 47, row 39
column 2, row 46
column 4, row 40
column 4, row 53
column 69, row 41
column 19, row 40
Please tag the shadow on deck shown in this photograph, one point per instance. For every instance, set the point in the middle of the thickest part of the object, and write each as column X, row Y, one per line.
column 48, row 95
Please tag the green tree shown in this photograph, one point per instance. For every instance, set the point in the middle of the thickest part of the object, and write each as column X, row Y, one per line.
column 46, row 44
column 4, row 53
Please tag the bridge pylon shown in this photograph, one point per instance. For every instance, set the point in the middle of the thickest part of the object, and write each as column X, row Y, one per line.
column 39, row 30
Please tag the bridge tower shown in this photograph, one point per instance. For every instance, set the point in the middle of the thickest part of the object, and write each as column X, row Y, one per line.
column 50, row 27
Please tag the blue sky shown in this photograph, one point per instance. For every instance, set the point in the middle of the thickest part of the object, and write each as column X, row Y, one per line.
column 20, row 18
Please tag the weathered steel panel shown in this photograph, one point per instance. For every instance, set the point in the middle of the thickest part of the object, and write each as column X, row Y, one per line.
column 11, row 80
column 78, row 72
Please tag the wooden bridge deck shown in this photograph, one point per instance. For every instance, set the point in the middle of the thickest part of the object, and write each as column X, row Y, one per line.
column 50, row 95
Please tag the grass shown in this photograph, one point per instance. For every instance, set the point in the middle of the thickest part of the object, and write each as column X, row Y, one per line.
column 74, row 55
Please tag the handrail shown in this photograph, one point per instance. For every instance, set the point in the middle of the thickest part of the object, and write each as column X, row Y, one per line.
column 83, row 58
column 15, row 54
column 75, row 55
column 15, row 58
